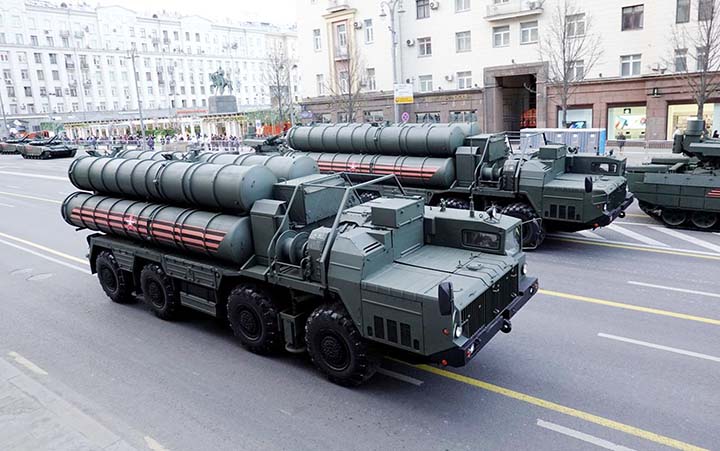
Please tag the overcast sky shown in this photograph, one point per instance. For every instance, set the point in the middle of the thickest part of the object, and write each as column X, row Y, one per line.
column 275, row 11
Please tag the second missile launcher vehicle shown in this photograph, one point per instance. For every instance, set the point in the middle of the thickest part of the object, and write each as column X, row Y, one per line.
column 550, row 189
column 302, row 264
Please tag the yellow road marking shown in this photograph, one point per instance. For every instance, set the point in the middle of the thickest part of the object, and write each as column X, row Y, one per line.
column 636, row 308
column 24, row 196
column 559, row 408
column 636, row 215
column 637, row 248
column 46, row 249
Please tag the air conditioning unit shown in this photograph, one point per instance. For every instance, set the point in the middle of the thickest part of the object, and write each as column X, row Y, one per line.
column 434, row 5
column 410, row 42
column 449, row 77
column 357, row 25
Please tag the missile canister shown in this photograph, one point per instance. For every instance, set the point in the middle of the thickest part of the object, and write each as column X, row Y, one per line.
column 142, row 154
column 402, row 140
column 215, row 186
column 223, row 236
column 284, row 167
column 411, row 171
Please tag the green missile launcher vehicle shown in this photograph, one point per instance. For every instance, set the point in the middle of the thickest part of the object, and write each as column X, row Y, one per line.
column 682, row 190
column 550, row 189
column 302, row 264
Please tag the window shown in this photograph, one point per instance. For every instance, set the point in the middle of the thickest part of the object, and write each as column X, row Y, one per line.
column 50, row 41
column 424, row 47
column 53, row 58
column 682, row 13
column 464, row 80
column 426, row 83
column 423, row 9
column 462, row 5
column 374, row 116
column 632, row 17
column 462, row 41
column 528, row 32
column 34, row 40
column 428, row 117
column 22, row 57
column 40, row 75
column 28, row 91
column 55, row 75
column 630, row 65
column 706, row 9
column 24, row 74
column 369, row 31
column 197, row 37
column 38, row 58
column 317, row 43
column 681, row 60
column 2, row 38
column 320, row 84
column 10, row 91
column 341, row 31
column 31, row 108
column 344, row 81
column 577, row 70
column 342, row 117
column 3, row 56
column 501, row 36
column 370, row 82
column 701, row 59
column 19, row 39
column 575, row 25
column 481, row 240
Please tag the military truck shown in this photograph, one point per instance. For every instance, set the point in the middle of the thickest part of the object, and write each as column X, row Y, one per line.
column 43, row 149
column 550, row 189
column 682, row 190
column 303, row 264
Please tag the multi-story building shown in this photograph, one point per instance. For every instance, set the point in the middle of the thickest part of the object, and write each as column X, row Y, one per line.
column 482, row 60
column 74, row 64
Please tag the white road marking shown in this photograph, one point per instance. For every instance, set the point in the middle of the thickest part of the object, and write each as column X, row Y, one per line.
column 6, row 205
column 679, row 290
column 636, row 236
column 593, row 235
column 153, row 444
column 582, row 436
column 46, row 257
column 400, row 377
column 20, row 360
column 37, row 176
column 25, row 196
column 43, row 248
column 574, row 237
column 688, row 238
column 661, row 347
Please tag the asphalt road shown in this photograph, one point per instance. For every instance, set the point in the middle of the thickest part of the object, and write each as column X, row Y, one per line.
column 621, row 350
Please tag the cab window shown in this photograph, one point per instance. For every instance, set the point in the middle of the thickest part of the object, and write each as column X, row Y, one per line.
column 481, row 240
column 604, row 168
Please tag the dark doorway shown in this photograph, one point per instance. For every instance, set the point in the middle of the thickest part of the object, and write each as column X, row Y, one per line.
column 519, row 101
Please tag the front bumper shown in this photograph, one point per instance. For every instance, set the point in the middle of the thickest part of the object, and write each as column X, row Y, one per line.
column 461, row 355
column 609, row 216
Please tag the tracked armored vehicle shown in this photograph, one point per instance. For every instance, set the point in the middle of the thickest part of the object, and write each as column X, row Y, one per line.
column 550, row 189
column 682, row 190
column 303, row 264
column 45, row 149
column 11, row 146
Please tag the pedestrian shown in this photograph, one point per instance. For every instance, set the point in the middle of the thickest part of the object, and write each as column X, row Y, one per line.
column 716, row 134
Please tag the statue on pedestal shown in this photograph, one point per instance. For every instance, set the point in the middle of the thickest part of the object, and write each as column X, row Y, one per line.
column 219, row 82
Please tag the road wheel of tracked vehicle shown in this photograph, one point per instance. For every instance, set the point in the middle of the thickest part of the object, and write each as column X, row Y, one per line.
column 253, row 317
column 336, row 347
column 532, row 229
column 159, row 292
column 704, row 220
column 673, row 218
column 114, row 282
column 45, row 155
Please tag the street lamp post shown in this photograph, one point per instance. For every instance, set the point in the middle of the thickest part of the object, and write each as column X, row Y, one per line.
column 292, row 93
column 132, row 54
column 4, row 118
column 393, row 7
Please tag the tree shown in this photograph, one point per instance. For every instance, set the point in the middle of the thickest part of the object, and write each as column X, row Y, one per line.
column 702, row 43
column 348, row 79
column 277, row 78
column 570, row 49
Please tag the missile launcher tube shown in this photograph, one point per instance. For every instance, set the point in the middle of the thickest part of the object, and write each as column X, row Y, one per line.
column 402, row 140
column 214, row 186
column 427, row 172
column 226, row 237
column 284, row 167
column 142, row 154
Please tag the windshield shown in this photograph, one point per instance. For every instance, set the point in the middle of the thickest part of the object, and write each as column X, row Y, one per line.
column 513, row 240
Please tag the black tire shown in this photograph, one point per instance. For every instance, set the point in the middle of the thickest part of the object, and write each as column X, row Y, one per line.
column 115, row 283
column 159, row 292
column 336, row 347
column 532, row 229
column 460, row 204
column 254, row 319
column 673, row 218
column 45, row 155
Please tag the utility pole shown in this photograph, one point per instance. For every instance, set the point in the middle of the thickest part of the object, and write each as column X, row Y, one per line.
column 4, row 118
column 394, row 9
column 132, row 54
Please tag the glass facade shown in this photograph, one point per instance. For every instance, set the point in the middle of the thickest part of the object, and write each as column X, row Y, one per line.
column 628, row 121
column 679, row 114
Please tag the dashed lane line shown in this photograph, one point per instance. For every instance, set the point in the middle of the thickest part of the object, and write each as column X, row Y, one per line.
column 20, row 360
column 400, row 377
column 153, row 444
column 660, row 347
column 638, row 247
column 25, row 196
column 592, row 235
column 636, row 236
column 44, row 248
column 46, row 257
column 559, row 408
column 6, row 205
column 582, row 436
column 688, row 238
column 679, row 290
column 37, row 176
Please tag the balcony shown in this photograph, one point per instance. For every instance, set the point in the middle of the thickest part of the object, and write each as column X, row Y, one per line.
column 513, row 9
column 341, row 53
column 337, row 5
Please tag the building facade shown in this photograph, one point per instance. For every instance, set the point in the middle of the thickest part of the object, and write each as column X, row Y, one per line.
column 74, row 65
column 482, row 60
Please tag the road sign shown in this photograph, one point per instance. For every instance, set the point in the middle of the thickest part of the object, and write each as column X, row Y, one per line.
column 405, row 116
column 403, row 93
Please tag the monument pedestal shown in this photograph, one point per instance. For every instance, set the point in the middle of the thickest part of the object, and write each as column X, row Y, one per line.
column 222, row 104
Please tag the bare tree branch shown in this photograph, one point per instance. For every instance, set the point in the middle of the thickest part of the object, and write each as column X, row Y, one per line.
column 348, row 80
column 276, row 77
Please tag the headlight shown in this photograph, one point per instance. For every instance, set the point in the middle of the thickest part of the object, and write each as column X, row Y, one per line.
column 524, row 269
column 458, row 331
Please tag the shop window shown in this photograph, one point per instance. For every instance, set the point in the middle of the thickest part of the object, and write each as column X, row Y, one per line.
column 627, row 121
column 632, row 17
column 576, row 118
column 463, row 116
column 428, row 118
column 678, row 116
column 682, row 13
column 374, row 116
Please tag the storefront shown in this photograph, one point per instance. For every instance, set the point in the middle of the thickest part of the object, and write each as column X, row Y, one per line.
column 678, row 116
column 577, row 117
column 629, row 121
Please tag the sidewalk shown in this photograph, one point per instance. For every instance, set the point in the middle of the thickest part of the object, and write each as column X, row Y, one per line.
column 33, row 418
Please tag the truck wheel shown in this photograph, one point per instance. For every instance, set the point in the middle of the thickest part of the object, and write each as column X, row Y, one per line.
column 159, row 292
column 532, row 230
column 336, row 347
column 113, row 280
column 253, row 317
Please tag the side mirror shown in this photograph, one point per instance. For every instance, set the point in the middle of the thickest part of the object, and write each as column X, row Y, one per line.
column 588, row 184
column 446, row 298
